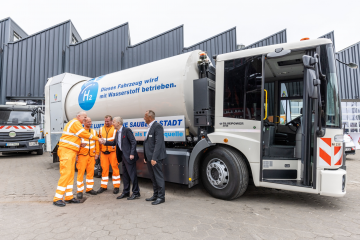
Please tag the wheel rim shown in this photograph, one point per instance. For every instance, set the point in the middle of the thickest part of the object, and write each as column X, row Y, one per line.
column 217, row 173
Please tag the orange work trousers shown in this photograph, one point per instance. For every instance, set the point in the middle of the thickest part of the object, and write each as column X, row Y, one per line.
column 67, row 159
column 85, row 163
column 106, row 160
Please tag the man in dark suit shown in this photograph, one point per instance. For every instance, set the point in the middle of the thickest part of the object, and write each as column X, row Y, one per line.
column 155, row 153
column 126, row 153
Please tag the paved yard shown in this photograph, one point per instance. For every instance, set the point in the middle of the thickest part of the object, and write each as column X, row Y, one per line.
column 28, row 182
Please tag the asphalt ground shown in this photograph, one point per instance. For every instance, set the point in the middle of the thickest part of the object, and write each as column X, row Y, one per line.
column 28, row 183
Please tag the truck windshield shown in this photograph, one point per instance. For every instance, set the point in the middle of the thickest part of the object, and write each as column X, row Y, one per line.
column 331, row 114
column 16, row 117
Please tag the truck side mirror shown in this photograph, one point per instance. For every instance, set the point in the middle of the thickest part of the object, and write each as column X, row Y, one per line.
column 310, row 76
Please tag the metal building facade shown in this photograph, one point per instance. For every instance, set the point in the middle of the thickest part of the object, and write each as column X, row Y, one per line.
column 349, row 78
column 29, row 62
column 330, row 36
column 100, row 54
column 162, row 46
column 276, row 38
column 222, row 43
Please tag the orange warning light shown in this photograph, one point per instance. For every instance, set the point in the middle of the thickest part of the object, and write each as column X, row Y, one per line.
column 303, row 39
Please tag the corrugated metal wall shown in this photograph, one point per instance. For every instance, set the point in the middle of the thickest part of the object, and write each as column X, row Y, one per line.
column 330, row 36
column 349, row 78
column 162, row 46
column 4, row 31
column 28, row 63
column 99, row 55
column 222, row 43
column 276, row 38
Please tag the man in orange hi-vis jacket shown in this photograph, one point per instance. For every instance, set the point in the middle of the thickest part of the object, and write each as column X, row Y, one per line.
column 69, row 146
column 108, row 157
column 86, row 161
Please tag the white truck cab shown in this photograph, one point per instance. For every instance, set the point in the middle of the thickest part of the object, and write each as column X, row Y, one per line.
column 21, row 128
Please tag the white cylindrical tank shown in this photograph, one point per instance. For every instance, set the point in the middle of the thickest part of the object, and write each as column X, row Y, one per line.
column 164, row 86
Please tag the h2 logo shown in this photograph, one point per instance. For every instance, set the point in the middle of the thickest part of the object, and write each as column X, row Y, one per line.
column 87, row 96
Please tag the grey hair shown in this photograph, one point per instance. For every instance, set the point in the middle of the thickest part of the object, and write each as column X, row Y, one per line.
column 151, row 113
column 81, row 112
column 119, row 120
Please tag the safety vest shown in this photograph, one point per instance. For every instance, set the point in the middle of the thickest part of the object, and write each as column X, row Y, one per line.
column 92, row 147
column 72, row 133
column 108, row 133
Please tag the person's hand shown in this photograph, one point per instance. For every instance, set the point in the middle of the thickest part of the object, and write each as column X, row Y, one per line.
column 101, row 141
column 131, row 157
column 153, row 162
column 83, row 145
column 96, row 156
column 144, row 160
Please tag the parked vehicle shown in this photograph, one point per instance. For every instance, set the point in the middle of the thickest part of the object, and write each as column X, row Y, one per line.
column 350, row 148
column 224, row 128
column 21, row 127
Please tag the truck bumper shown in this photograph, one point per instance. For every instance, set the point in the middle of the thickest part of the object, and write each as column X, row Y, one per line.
column 352, row 152
column 333, row 183
column 22, row 147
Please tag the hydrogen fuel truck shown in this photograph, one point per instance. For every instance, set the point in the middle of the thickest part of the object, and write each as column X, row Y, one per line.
column 270, row 115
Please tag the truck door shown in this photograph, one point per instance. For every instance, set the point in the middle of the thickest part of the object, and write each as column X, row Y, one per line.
column 309, row 120
column 289, row 132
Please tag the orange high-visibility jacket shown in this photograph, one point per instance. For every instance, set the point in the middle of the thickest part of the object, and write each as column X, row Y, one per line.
column 92, row 148
column 72, row 134
column 108, row 133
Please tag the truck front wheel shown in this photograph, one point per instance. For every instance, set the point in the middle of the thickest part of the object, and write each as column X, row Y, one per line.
column 224, row 173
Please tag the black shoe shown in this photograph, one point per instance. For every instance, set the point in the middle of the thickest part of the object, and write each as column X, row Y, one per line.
column 101, row 190
column 79, row 195
column 74, row 200
column 92, row 192
column 123, row 196
column 59, row 203
column 153, row 198
column 158, row 201
column 134, row 196
column 116, row 191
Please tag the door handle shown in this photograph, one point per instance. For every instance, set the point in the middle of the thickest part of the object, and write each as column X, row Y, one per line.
column 265, row 104
column 279, row 119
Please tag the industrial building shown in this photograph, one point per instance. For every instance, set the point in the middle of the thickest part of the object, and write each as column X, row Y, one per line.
column 27, row 61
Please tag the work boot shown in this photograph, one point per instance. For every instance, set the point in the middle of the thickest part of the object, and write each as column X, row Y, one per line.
column 153, row 198
column 59, row 203
column 79, row 195
column 74, row 200
column 116, row 190
column 92, row 192
column 101, row 190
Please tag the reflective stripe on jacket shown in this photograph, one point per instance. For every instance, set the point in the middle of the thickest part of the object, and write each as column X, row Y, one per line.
column 92, row 146
column 72, row 133
column 108, row 133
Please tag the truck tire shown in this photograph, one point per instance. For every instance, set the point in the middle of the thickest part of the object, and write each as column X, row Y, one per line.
column 224, row 173
column 40, row 152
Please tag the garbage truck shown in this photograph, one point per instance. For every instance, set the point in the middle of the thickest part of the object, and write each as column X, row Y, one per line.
column 270, row 115
column 21, row 128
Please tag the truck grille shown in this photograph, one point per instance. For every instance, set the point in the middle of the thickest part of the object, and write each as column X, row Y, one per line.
column 20, row 136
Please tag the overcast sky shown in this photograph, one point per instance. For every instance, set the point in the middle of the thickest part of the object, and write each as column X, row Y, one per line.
column 253, row 20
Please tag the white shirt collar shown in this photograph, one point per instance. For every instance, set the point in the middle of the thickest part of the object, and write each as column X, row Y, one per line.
column 120, row 130
column 150, row 124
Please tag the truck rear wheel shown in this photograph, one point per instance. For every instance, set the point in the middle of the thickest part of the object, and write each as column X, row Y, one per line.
column 224, row 173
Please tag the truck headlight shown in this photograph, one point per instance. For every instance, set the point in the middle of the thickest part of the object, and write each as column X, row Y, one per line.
column 339, row 138
column 189, row 138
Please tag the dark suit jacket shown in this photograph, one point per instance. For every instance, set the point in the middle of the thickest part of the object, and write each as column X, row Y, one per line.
column 154, row 144
column 128, row 146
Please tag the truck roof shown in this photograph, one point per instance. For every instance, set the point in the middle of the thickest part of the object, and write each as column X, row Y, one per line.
column 271, row 48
